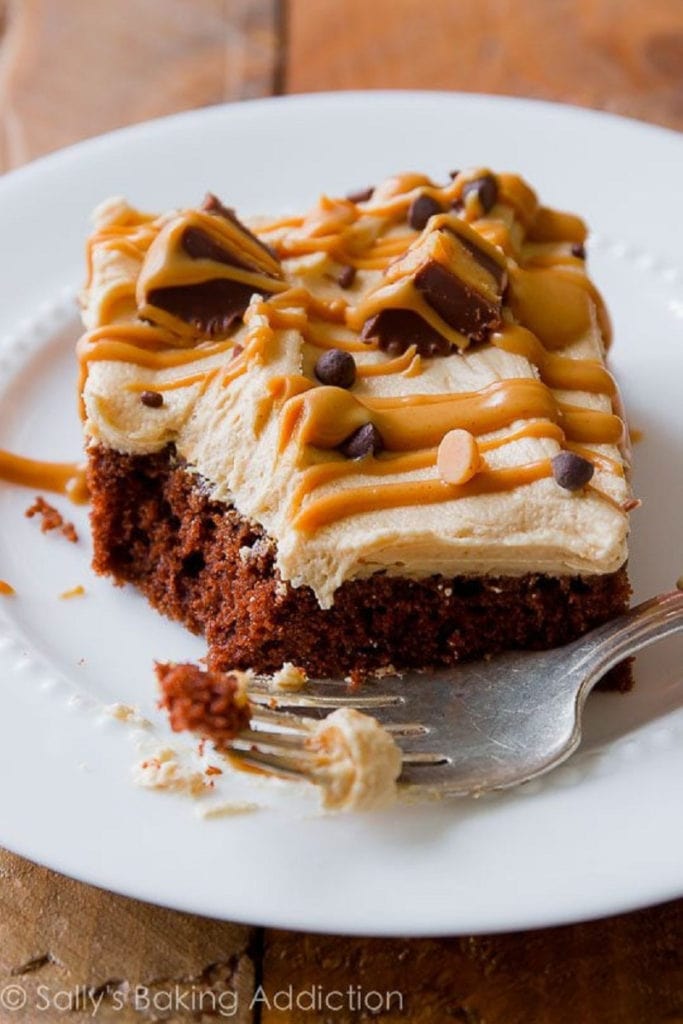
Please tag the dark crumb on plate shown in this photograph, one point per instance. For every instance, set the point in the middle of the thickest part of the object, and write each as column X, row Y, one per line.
column 51, row 519
column 212, row 704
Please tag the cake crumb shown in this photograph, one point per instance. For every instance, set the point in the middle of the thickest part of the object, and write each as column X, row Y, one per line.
column 127, row 713
column 6, row 589
column 212, row 704
column 290, row 678
column 228, row 809
column 78, row 591
column 51, row 519
column 164, row 771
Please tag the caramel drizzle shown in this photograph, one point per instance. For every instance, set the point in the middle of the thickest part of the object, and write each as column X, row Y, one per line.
column 58, row 477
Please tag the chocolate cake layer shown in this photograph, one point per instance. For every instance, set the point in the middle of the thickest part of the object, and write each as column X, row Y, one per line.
column 202, row 563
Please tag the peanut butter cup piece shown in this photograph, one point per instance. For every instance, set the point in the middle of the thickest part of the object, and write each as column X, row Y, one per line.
column 395, row 330
column 336, row 368
column 361, row 195
column 212, row 204
column 572, row 471
column 367, row 440
column 201, row 271
column 458, row 275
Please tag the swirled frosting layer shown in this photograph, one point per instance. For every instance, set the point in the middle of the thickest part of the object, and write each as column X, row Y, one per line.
column 460, row 307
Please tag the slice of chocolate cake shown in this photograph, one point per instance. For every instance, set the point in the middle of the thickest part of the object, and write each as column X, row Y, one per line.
column 380, row 434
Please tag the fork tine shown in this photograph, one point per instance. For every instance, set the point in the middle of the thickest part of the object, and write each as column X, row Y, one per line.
column 273, row 740
column 427, row 758
column 277, row 764
column 311, row 700
column 408, row 730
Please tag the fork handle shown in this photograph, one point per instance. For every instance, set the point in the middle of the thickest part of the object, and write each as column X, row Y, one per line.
column 643, row 625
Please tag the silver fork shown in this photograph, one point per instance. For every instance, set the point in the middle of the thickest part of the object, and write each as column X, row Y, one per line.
column 466, row 730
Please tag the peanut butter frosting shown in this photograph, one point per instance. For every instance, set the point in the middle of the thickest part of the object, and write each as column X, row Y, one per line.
column 314, row 369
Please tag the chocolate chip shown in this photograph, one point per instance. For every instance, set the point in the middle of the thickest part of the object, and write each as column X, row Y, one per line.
column 336, row 368
column 485, row 189
column 453, row 174
column 367, row 440
column 579, row 250
column 347, row 277
column 572, row 471
column 152, row 399
column 421, row 209
column 361, row 196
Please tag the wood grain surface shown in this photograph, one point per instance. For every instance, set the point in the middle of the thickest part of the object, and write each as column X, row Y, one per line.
column 74, row 68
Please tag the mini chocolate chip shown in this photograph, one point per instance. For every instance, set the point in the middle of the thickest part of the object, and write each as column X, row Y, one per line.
column 336, row 368
column 572, row 471
column 347, row 277
column 153, row 399
column 579, row 250
column 367, row 440
column 485, row 189
column 421, row 209
column 361, row 196
column 453, row 174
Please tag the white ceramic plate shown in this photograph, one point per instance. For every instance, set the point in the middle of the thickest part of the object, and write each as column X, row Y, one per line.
column 603, row 834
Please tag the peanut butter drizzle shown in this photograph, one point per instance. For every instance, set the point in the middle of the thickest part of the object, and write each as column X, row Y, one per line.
column 556, row 371
column 326, row 416
column 554, row 225
column 600, row 460
column 204, row 379
column 58, row 477
column 386, row 465
column 138, row 345
column 390, row 464
column 333, row 310
column 357, row 500
column 132, row 237
column 408, row 361
column 556, row 304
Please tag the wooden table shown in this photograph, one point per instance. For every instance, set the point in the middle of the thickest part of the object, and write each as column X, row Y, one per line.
column 73, row 68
